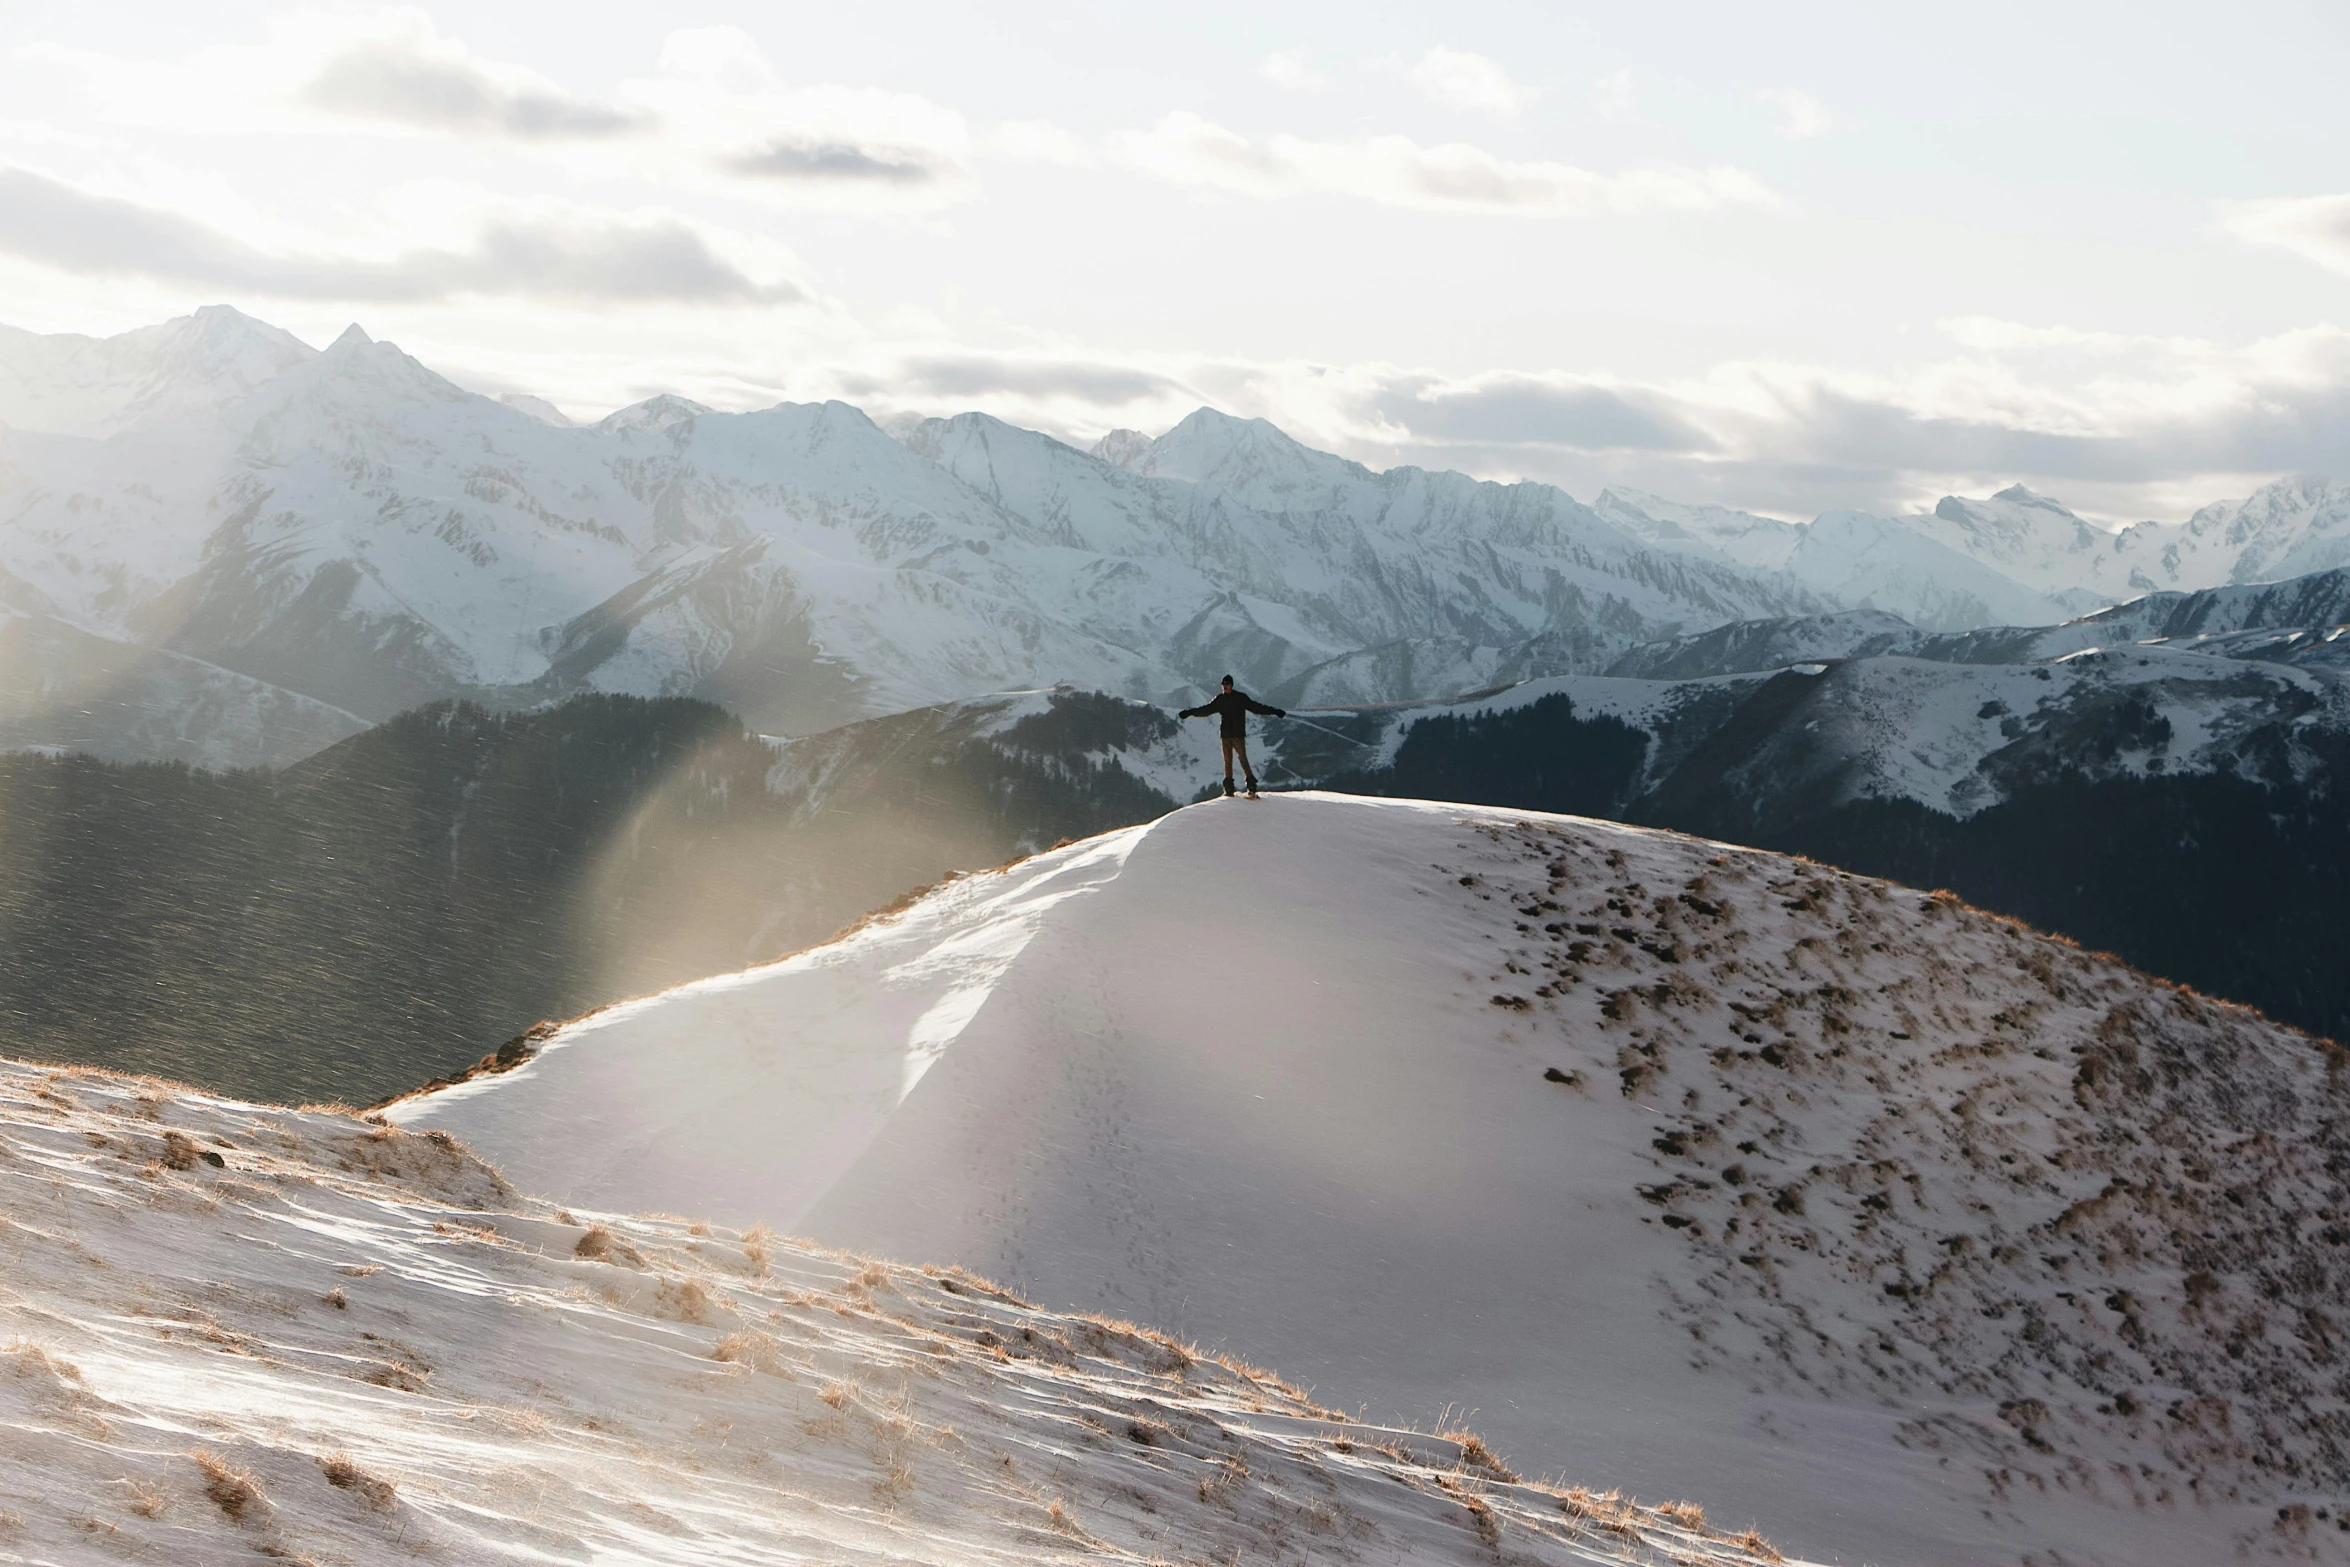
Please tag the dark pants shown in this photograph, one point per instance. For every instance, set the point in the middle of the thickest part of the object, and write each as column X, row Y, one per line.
column 1237, row 745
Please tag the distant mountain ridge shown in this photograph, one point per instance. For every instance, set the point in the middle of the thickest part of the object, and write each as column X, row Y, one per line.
column 352, row 527
column 347, row 527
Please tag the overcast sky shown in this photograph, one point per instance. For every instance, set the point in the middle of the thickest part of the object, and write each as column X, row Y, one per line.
column 1788, row 257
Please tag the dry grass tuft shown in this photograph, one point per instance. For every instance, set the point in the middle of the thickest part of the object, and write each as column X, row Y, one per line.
column 1228, row 1477
column 598, row 1244
column 1687, row 1514
column 1753, row 1543
column 834, row 1393
column 1482, row 1520
column 750, row 1348
column 756, row 1243
column 688, row 1300
column 1062, row 1520
column 1476, row 1455
column 232, row 1490
column 146, row 1498
column 337, row 1299
column 344, row 1475
column 24, row 1358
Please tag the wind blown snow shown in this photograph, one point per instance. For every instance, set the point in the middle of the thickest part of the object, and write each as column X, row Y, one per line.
column 237, row 1332
column 1897, row 1227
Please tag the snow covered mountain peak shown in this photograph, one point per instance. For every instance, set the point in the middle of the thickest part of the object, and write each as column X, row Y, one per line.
column 656, row 415
column 1794, row 1186
column 2030, row 536
column 1122, row 448
column 2289, row 528
column 1254, row 457
column 180, row 371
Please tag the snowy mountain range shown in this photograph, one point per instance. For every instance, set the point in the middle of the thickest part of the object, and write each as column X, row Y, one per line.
column 352, row 529
column 1909, row 1233
column 349, row 526
column 2015, row 558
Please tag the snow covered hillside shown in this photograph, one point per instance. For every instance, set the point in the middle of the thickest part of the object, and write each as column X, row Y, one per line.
column 63, row 689
column 236, row 1333
column 351, row 526
column 1907, row 1232
column 1957, row 737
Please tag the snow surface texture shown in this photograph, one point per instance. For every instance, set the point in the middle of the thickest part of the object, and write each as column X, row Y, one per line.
column 1912, row 1235
column 236, row 1333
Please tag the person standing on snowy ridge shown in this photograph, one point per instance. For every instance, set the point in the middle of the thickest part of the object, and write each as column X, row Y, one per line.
column 1233, row 707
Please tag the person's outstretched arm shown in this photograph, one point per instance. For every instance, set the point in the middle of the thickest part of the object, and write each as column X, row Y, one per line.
column 1191, row 712
column 1256, row 706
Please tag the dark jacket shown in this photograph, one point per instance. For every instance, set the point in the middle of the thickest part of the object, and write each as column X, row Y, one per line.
column 1233, row 707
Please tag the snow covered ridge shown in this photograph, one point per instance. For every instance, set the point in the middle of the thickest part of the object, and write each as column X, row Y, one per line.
column 234, row 1332
column 1894, row 1226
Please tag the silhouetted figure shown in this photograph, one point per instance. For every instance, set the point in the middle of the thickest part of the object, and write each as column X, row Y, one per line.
column 1233, row 707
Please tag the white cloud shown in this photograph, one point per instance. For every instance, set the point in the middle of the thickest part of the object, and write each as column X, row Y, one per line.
column 1456, row 79
column 728, row 122
column 714, row 115
column 1611, row 95
column 2204, row 421
column 2315, row 228
column 1291, row 71
column 537, row 249
column 399, row 71
column 1801, row 116
column 1395, row 171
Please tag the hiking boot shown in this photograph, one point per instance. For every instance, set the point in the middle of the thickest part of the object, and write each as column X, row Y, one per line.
column 1228, row 789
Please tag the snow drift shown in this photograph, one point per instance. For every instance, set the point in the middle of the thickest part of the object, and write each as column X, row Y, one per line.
column 1892, row 1225
column 236, row 1333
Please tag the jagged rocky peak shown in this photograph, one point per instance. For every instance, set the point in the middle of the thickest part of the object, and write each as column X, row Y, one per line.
column 2017, row 512
column 1211, row 446
column 663, row 411
column 1123, row 448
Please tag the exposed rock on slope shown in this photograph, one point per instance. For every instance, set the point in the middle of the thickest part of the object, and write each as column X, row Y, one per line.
column 1832, row 1200
column 235, row 1333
